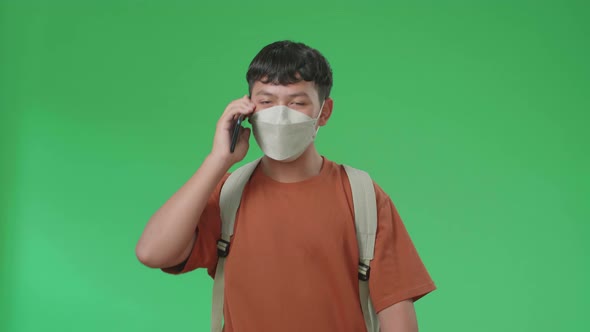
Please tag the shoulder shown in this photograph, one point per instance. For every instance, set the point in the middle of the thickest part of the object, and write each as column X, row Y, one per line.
column 381, row 196
column 217, row 192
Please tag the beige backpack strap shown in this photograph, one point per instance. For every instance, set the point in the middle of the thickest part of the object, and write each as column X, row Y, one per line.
column 229, row 202
column 365, row 220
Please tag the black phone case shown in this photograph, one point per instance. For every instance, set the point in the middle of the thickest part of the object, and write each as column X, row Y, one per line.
column 236, row 134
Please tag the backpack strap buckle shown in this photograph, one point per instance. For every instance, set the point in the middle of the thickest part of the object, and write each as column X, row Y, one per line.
column 364, row 271
column 222, row 248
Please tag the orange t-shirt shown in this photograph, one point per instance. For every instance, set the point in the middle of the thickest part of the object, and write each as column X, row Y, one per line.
column 293, row 258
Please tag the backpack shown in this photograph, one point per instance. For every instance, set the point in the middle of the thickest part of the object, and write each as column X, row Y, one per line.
column 365, row 215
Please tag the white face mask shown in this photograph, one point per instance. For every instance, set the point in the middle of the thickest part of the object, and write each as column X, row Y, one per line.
column 282, row 133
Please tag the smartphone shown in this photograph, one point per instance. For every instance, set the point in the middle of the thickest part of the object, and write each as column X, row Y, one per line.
column 236, row 133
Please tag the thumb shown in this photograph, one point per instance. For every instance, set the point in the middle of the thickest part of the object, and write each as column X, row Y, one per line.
column 246, row 133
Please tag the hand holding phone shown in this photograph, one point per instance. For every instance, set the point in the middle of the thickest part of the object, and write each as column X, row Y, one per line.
column 230, row 142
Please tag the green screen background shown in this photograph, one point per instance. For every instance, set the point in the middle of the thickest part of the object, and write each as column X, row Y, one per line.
column 473, row 116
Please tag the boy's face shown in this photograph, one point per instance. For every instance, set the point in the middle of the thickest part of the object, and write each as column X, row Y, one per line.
column 301, row 96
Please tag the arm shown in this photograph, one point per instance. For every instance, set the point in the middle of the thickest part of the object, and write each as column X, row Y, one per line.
column 399, row 277
column 400, row 317
column 169, row 235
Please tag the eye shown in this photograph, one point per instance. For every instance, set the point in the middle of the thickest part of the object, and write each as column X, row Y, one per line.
column 298, row 103
column 264, row 102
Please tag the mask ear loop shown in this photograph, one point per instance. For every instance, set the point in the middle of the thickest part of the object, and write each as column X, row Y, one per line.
column 316, row 119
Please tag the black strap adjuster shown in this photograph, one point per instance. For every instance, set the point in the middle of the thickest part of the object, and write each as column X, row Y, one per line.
column 222, row 248
column 364, row 272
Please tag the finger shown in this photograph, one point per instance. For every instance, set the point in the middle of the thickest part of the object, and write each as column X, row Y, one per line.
column 236, row 103
column 251, row 102
column 227, row 121
column 245, row 109
column 247, row 101
column 235, row 108
column 245, row 136
column 246, row 133
column 233, row 112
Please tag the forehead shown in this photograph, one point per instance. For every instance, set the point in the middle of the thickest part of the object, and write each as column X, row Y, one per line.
column 302, row 87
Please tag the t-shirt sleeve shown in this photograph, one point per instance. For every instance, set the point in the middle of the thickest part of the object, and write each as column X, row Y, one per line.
column 208, row 231
column 397, row 271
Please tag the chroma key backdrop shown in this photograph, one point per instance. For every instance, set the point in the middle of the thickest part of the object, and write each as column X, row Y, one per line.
column 471, row 115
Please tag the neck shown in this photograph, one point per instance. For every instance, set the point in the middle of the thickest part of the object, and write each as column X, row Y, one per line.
column 309, row 164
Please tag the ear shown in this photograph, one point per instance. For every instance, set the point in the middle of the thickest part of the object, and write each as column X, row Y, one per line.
column 326, row 112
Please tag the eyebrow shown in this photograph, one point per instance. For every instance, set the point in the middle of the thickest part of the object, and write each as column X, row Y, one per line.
column 297, row 94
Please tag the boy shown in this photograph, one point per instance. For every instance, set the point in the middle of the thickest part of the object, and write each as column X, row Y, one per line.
column 294, row 253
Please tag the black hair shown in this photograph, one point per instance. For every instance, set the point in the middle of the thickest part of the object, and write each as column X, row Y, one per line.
column 286, row 62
